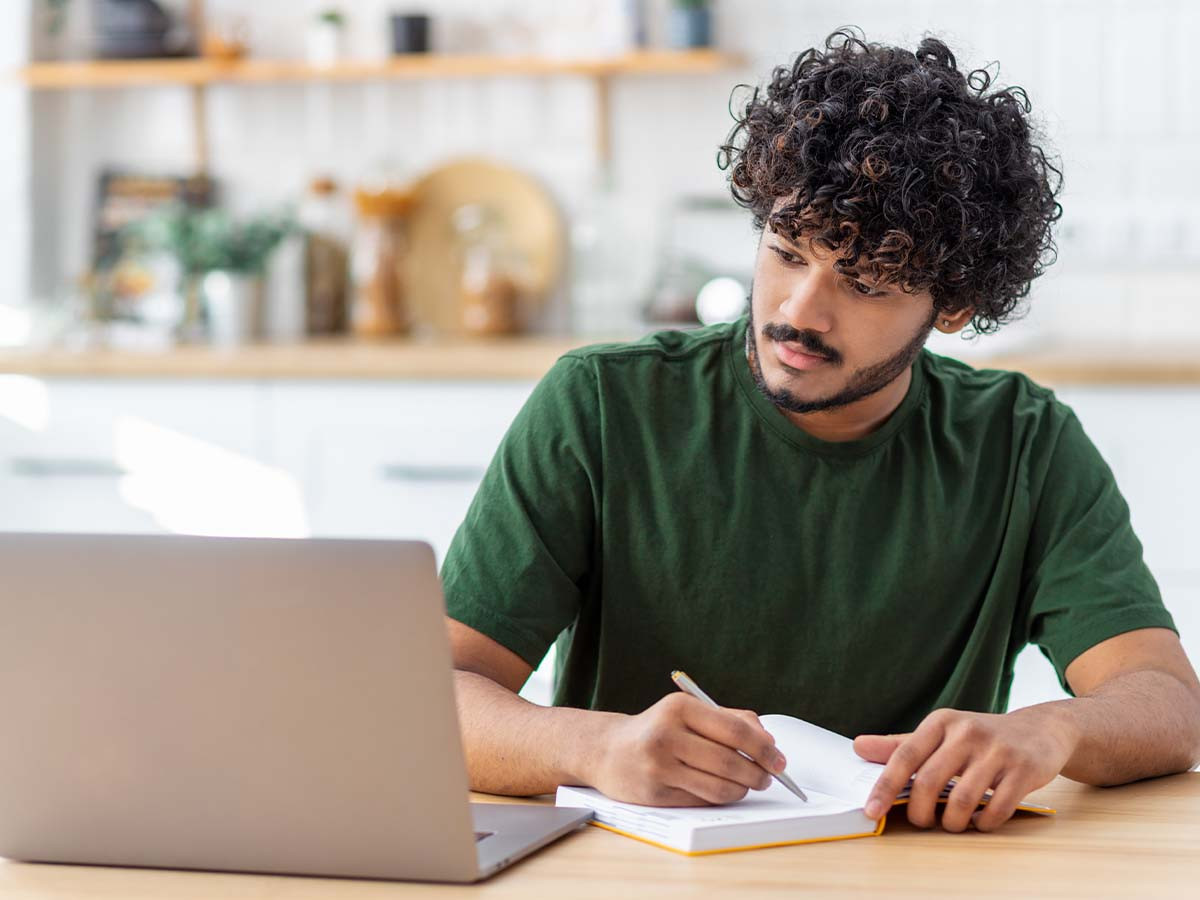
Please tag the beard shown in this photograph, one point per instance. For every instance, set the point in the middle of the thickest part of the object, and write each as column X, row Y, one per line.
column 863, row 382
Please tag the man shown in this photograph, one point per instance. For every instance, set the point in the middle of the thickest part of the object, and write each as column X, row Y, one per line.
column 811, row 514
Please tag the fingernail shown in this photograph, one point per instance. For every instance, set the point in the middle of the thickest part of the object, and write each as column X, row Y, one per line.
column 874, row 809
column 779, row 763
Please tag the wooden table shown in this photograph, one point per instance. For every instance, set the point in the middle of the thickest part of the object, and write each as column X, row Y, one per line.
column 1139, row 840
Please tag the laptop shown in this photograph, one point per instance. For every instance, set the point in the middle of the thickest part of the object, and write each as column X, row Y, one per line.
column 256, row 705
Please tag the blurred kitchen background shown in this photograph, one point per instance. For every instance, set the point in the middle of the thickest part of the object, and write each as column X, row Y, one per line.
column 290, row 268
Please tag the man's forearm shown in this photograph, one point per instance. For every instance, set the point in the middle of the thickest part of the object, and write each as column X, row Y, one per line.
column 1138, row 725
column 516, row 747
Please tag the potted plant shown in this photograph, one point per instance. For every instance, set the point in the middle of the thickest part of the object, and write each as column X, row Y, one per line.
column 323, row 40
column 690, row 24
column 222, row 264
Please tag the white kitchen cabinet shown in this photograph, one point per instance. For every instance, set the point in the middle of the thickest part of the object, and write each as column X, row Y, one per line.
column 127, row 456
column 288, row 459
column 389, row 459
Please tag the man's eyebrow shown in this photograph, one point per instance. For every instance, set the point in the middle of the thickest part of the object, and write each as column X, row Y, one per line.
column 877, row 284
column 787, row 241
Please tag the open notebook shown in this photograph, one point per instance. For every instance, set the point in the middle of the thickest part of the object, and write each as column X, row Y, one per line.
column 835, row 778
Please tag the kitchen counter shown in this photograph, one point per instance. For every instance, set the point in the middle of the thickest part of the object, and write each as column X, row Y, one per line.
column 523, row 358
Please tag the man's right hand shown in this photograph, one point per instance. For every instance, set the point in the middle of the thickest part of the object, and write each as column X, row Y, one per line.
column 682, row 752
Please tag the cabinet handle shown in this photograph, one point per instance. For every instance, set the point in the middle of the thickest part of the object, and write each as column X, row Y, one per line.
column 450, row 474
column 42, row 467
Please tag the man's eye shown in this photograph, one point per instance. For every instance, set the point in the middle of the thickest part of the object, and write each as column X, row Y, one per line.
column 861, row 288
column 788, row 258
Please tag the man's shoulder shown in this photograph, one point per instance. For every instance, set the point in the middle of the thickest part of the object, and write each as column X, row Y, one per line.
column 989, row 405
column 1001, row 390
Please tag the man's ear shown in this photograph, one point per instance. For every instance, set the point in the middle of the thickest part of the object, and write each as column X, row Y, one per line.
column 951, row 322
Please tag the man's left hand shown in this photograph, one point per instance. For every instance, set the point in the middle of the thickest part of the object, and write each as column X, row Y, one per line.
column 1013, row 753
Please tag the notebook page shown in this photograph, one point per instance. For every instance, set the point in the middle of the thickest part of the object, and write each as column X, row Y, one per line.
column 826, row 761
column 823, row 760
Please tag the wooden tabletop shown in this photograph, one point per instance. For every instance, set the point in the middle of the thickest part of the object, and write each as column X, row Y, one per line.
column 522, row 358
column 1139, row 840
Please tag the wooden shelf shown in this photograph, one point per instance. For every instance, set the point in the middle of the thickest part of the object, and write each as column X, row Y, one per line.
column 197, row 72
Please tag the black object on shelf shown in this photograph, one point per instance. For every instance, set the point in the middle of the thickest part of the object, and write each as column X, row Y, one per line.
column 410, row 33
column 133, row 29
column 690, row 25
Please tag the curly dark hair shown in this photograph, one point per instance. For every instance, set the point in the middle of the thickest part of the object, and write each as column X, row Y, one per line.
column 905, row 168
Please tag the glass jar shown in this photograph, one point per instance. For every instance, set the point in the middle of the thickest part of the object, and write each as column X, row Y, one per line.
column 377, row 263
column 488, row 293
column 326, row 225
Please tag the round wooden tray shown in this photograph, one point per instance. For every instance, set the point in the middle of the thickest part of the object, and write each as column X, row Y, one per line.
column 526, row 214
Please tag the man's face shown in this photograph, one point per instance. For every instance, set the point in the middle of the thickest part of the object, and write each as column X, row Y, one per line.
column 821, row 339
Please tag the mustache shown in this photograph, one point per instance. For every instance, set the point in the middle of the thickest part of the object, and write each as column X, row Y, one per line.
column 807, row 339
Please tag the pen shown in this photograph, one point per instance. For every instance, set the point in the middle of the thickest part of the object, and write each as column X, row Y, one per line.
column 685, row 684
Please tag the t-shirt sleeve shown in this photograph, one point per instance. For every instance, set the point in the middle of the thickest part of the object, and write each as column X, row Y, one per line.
column 1086, row 580
column 517, row 565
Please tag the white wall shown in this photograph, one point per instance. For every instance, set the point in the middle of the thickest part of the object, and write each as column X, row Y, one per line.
column 1110, row 79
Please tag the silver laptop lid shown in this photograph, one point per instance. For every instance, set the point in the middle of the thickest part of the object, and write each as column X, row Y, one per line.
column 217, row 703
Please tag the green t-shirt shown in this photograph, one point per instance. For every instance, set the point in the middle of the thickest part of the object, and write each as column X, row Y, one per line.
column 652, row 510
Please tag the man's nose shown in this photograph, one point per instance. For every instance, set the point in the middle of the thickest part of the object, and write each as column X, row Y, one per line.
column 808, row 306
